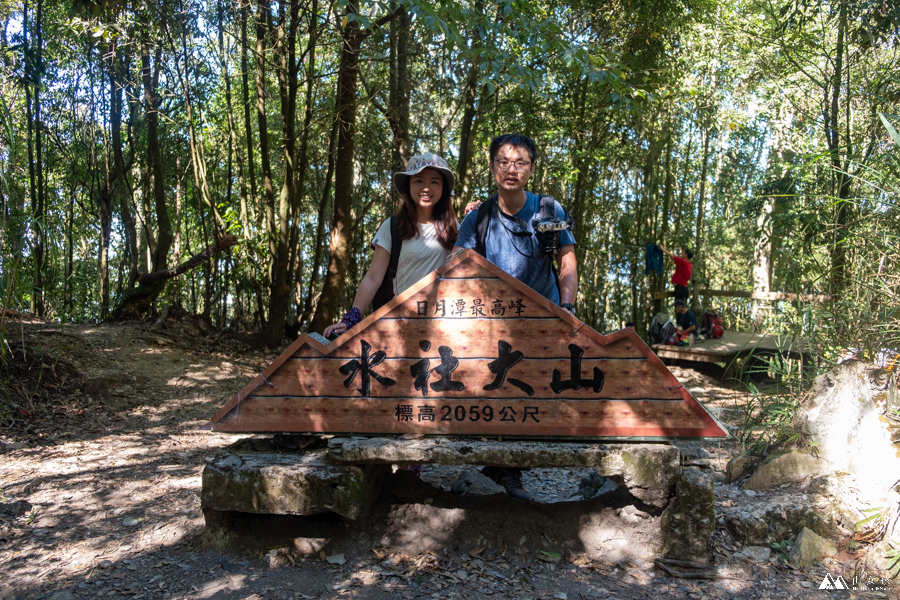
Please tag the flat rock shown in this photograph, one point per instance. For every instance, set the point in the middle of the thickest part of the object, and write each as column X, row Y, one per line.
column 472, row 482
column 774, row 519
column 649, row 471
column 788, row 467
column 810, row 548
column 758, row 554
column 287, row 484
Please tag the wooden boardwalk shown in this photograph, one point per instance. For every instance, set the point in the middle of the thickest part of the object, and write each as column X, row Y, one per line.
column 732, row 348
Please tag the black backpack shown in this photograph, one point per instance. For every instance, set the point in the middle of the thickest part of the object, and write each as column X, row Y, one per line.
column 386, row 290
column 661, row 330
column 485, row 211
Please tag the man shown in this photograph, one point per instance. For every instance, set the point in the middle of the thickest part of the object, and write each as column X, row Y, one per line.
column 685, row 319
column 512, row 244
column 682, row 275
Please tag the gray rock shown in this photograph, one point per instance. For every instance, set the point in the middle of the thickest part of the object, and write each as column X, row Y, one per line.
column 230, row 462
column 688, row 522
column 773, row 520
column 300, row 483
column 810, row 548
column 649, row 471
column 845, row 421
column 759, row 554
column 737, row 467
column 472, row 482
column 787, row 467
column 596, row 485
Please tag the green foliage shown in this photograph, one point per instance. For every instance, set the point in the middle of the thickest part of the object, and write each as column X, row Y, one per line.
column 783, row 548
column 767, row 416
column 628, row 102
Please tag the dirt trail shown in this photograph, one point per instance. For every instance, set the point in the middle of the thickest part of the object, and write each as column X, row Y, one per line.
column 100, row 483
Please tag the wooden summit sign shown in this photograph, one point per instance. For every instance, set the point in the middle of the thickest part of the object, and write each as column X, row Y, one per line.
column 470, row 350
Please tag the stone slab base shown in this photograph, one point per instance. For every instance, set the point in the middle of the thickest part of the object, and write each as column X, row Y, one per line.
column 649, row 471
column 345, row 479
column 289, row 483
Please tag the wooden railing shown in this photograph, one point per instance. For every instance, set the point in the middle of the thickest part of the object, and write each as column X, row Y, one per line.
column 771, row 296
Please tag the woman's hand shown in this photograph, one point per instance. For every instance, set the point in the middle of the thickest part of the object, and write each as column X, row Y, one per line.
column 338, row 328
column 472, row 206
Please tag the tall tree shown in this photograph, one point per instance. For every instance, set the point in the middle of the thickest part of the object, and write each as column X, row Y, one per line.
column 342, row 221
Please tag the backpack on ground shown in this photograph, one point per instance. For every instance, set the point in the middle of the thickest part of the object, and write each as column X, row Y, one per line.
column 711, row 324
column 386, row 290
column 661, row 330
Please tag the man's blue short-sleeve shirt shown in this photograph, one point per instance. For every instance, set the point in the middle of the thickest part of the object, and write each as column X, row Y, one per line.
column 512, row 245
column 686, row 319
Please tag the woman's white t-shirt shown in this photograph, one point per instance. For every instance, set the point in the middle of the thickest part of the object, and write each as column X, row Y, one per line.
column 419, row 256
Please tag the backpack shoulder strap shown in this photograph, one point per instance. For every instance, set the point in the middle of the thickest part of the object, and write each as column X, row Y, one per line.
column 396, row 244
column 482, row 224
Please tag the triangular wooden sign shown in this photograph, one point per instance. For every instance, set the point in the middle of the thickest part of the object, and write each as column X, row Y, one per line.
column 470, row 350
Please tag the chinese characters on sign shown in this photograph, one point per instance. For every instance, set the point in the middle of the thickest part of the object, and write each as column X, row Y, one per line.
column 421, row 373
column 460, row 308
column 404, row 413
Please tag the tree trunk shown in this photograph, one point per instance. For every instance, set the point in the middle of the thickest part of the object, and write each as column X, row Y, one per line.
column 842, row 179
column 467, row 129
column 657, row 282
column 320, row 225
column 398, row 102
column 118, row 73
column 287, row 70
column 336, row 277
column 697, row 275
column 150, row 78
column 778, row 185
column 198, row 158
column 137, row 302
column 303, row 161
column 262, row 28
column 33, row 70
column 248, row 123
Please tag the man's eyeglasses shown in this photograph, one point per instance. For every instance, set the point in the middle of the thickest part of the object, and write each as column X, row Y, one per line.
column 505, row 165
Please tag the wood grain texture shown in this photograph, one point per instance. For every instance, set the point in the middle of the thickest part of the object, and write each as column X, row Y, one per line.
column 474, row 338
column 626, row 379
column 463, row 328
column 469, row 417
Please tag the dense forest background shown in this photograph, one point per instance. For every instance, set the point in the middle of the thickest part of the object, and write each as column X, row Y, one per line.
column 234, row 158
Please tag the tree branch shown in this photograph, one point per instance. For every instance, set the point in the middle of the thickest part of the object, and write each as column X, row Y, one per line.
column 210, row 251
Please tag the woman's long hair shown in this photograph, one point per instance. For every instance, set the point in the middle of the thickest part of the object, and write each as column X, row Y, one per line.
column 445, row 224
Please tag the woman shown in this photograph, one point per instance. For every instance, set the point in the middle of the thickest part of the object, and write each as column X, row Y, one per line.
column 427, row 226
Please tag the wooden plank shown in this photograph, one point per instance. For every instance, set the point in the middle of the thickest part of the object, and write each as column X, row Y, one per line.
column 770, row 296
column 466, row 327
column 464, row 297
column 732, row 345
column 538, row 418
column 402, row 337
column 627, row 379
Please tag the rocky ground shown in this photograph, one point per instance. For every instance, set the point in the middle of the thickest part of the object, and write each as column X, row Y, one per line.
column 103, row 446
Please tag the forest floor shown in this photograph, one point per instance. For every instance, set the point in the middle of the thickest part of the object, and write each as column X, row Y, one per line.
column 102, row 448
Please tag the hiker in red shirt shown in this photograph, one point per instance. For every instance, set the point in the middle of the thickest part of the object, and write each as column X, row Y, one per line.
column 682, row 274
